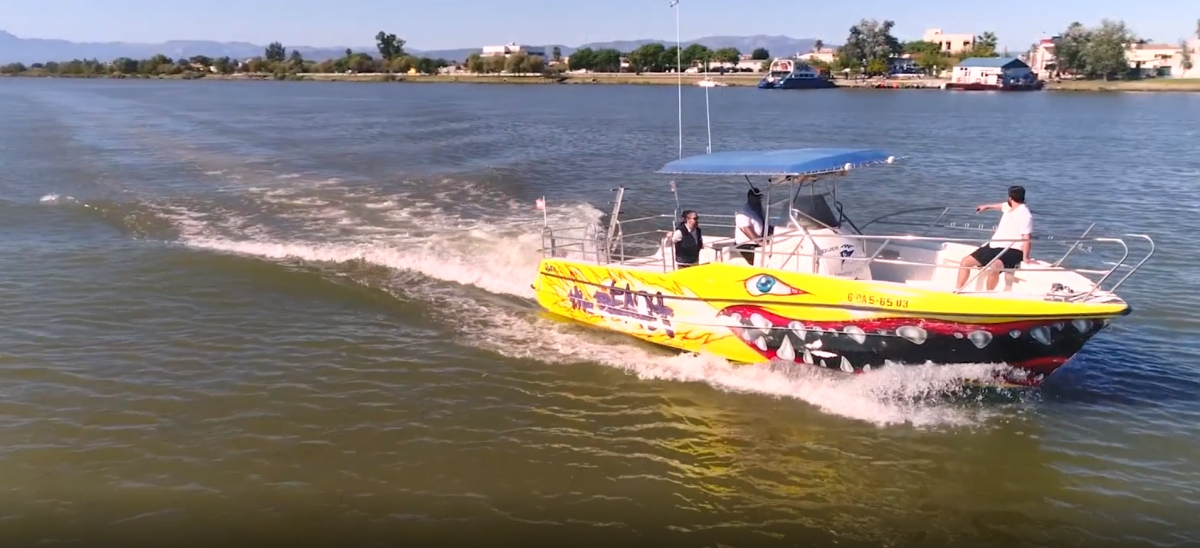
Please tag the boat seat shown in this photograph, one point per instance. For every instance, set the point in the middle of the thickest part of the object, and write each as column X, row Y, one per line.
column 946, row 276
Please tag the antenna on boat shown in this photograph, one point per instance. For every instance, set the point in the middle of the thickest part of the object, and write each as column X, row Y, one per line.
column 707, row 118
column 678, row 74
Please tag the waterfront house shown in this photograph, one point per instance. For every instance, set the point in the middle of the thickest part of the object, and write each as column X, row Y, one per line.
column 1176, row 63
column 1151, row 60
column 1000, row 73
column 993, row 71
column 1041, row 58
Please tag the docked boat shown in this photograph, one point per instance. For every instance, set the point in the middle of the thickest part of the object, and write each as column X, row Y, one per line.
column 792, row 74
column 824, row 291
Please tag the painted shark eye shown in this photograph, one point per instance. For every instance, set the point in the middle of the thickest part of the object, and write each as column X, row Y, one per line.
column 765, row 284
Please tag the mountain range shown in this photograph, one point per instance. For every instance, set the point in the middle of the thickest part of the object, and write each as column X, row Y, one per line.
column 14, row 49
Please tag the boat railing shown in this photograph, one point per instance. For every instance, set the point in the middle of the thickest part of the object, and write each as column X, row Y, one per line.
column 644, row 241
column 636, row 239
column 946, row 222
column 1098, row 276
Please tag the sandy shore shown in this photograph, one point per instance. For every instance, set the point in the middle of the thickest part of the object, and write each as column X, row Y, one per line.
column 731, row 80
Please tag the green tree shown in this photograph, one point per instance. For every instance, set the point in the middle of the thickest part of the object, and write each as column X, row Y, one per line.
column 275, row 53
column 474, row 63
column 13, row 68
column 582, row 59
column 920, row 47
column 556, row 54
column 669, row 58
column 224, row 65
column 868, row 41
column 760, row 54
column 256, row 65
column 877, row 67
column 1185, row 56
column 648, row 57
column 494, row 64
column 1068, row 49
column 818, row 45
column 390, row 47
column 696, row 53
column 1105, row 53
column 125, row 65
column 296, row 61
column 607, row 60
column 985, row 46
column 727, row 55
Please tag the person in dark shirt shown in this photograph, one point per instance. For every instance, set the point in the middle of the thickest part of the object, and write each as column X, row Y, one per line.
column 688, row 240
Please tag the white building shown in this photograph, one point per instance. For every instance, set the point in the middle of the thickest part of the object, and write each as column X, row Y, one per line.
column 826, row 55
column 512, row 49
column 1193, row 50
column 1041, row 58
column 1151, row 60
column 991, row 72
column 949, row 43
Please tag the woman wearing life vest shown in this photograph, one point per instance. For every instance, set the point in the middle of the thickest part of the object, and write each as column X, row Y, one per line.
column 688, row 240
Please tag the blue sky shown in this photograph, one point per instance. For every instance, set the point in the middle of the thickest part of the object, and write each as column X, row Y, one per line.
column 440, row 24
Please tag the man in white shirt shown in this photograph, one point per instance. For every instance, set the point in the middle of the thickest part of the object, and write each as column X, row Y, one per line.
column 749, row 225
column 1009, row 245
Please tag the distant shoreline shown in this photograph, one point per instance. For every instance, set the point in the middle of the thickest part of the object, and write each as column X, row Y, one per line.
column 731, row 80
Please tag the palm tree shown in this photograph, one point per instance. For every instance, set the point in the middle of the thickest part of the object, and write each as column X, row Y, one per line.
column 818, row 45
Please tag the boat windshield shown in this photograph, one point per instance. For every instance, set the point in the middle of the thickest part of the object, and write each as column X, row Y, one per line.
column 812, row 211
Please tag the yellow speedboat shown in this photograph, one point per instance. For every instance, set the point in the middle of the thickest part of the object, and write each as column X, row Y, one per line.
column 821, row 290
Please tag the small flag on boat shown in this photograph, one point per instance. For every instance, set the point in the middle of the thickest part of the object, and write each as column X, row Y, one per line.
column 541, row 203
column 672, row 186
column 674, row 3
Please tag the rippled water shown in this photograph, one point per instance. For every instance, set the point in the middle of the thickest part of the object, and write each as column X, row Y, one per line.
column 300, row 312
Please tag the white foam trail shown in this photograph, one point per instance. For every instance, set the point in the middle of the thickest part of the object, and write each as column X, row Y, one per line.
column 52, row 199
column 499, row 254
column 886, row 396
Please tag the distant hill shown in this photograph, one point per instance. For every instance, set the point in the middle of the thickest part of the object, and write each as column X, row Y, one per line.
column 14, row 49
column 34, row 50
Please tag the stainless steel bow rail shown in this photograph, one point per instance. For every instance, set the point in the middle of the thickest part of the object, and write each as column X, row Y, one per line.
column 644, row 243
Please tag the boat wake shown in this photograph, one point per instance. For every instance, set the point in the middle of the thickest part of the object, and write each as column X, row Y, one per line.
column 475, row 268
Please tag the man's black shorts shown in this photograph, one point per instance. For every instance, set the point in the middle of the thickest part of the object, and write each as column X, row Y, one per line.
column 1010, row 258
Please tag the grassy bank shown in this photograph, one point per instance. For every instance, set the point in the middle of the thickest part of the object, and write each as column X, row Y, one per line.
column 1157, row 84
column 732, row 80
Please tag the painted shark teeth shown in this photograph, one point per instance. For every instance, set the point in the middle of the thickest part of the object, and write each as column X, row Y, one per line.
column 786, row 352
column 1041, row 334
column 912, row 334
column 760, row 322
column 1016, row 333
column 856, row 333
column 846, row 365
column 761, row 343
column 808, row 357
column 798, row 329
column 980, row 338
column 1082, row 326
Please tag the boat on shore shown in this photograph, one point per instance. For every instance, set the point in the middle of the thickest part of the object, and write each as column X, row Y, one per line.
column 793, row 74
column 1031, row 85
column 824, row 291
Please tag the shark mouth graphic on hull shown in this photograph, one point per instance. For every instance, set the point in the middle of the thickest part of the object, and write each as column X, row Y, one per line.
column 1035, row 347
